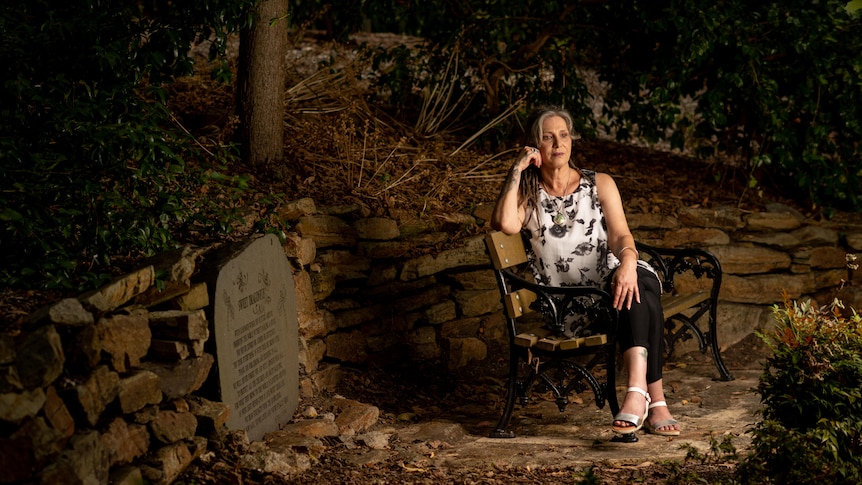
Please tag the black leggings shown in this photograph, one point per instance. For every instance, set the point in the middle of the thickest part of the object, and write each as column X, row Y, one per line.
column 643, row 324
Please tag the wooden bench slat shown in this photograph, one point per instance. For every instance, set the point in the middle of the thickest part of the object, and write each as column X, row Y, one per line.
column 506, row 250
column 594, row 340
column 673, row 304
column 572, row 343
column 542, row 340
column 549, row 344
column 526, row 339
column 518, row 302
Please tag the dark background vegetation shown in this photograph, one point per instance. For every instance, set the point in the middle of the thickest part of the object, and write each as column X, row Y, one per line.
column 96, row 169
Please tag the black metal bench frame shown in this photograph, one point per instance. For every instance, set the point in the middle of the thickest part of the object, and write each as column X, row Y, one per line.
column 562, row 364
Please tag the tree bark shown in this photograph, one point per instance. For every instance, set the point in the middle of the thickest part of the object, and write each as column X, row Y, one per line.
column 261, row 84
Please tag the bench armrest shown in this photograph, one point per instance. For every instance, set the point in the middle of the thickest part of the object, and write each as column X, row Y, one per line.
column 558, row 302
column 670, row 262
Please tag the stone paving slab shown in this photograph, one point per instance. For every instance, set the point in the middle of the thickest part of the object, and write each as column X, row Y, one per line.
column 581, row 435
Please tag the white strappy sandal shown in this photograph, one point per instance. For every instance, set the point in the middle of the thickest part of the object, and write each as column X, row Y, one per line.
column 654, row 428
column 635, row 420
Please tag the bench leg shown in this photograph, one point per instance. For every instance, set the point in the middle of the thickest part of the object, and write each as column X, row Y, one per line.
column 610, row 386
column 500, row 430
column 716, row 353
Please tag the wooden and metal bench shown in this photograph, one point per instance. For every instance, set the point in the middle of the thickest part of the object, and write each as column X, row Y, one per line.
column 542, row 351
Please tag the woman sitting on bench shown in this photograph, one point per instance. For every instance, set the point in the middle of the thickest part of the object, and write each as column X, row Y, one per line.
column 579, row 236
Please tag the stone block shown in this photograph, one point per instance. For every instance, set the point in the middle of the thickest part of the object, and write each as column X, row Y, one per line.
column 169, row 461
column 292, row 211
column 126, row 475
column 725, row 218
column 211, row 415
column 441, row 312
column 85, row 461
column 327, row 377
column 140, row 389
column 39, row 357
column 303, row 250
column 315, row 324
column 158, row 294
column 744, row 260
column 462, row 328
column 472, row 253
column 93, row 395
column 125, row 338
column 771, row 222
column 195, row 299
column 17, row 406
column 691, row 237
column 66, row 312
column 119, row 291
column 178, row 379
column 169, row 350
column 651, row 221
column 478, row 302
column 311, row 353
column 458, row 352
column 180, row 325
column 353, row 417
column 83, row 350
column 47, row 442
column 326, row 231
column 125, row 442
column 376, row 228
column 171, row 426
column 57, row 413
column 9, row 380
column 347, row 347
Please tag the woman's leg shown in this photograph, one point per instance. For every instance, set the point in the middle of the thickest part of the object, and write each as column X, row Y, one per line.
column 641, row 337
column 635, row 365
column 658, row 414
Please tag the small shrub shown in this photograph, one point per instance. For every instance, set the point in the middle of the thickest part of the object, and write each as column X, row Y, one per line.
column 812, row 391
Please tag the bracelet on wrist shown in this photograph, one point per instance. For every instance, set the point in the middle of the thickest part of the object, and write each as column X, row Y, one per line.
column 637, row 254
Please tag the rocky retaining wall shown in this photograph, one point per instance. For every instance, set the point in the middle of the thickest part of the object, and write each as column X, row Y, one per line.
column 99, row 389
column 372, row 297
column 108, row 384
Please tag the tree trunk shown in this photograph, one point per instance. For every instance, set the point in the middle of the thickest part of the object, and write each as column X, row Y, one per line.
column 261, row 84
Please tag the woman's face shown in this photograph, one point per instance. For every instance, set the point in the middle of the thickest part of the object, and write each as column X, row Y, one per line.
column 556, row 142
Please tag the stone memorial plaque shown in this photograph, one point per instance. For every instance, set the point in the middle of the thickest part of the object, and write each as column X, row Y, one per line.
column 256, row 338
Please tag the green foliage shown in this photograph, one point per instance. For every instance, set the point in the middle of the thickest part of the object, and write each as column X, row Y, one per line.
column 90, row 165
column 811, row 388
column 586, row 477
column 778, row 84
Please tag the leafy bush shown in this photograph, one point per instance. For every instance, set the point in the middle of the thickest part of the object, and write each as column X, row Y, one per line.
column 811, row 388
column 91, row 165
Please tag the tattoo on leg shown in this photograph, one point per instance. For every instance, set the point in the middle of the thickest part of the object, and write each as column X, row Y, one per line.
column 644, row 353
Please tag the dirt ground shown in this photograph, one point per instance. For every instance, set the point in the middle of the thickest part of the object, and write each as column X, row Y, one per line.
column 437, row 426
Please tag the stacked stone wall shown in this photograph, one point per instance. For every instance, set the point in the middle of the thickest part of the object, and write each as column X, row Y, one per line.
column 100, row 388
column 107, row 386
column 379, row 293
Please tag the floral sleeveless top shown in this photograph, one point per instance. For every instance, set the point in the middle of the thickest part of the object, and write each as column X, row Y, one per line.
column 570, row 249
column 569, row 238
